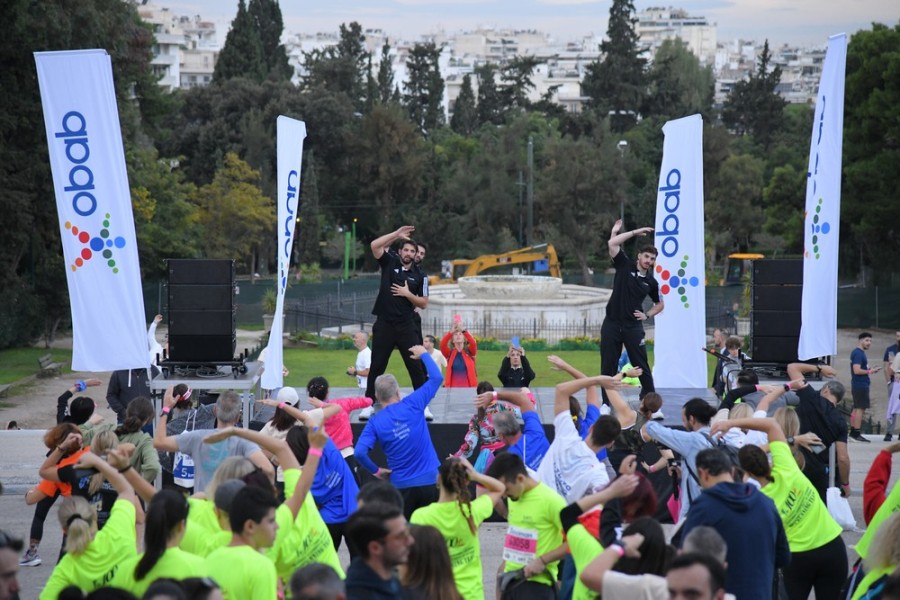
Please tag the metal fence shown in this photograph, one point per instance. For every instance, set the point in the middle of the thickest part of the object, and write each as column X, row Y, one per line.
column 333, row 312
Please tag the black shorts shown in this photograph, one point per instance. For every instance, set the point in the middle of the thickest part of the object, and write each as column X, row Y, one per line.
column 860, row 397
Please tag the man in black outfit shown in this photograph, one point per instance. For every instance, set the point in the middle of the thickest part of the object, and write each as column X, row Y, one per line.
column 634, row 281
column 403, row 289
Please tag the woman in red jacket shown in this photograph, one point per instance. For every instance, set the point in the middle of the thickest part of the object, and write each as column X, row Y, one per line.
column 460, row 348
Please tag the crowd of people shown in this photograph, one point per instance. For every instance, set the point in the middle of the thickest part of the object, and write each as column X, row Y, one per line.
column 732, row 504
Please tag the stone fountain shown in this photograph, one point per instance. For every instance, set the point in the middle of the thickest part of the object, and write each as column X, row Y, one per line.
column 504, row 306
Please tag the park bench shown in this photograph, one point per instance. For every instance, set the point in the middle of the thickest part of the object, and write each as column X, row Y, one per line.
column 48, row 366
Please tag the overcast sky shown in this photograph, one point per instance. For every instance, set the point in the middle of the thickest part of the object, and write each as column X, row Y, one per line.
column 801, row 22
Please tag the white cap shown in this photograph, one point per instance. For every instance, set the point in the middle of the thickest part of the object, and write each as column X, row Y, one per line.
column 288, row 395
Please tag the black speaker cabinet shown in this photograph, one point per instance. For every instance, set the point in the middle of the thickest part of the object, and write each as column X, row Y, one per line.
column 778, row 271
column 201, row 322
column 201, row 297
column 191, row 271
column 774, row 349
column 201, row 348
column 777, row 297
column 776, row 323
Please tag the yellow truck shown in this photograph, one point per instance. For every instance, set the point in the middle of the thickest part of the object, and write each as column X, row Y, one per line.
column 542, row 257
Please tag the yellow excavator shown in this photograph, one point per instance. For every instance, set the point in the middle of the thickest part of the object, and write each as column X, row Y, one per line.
column 542, row 257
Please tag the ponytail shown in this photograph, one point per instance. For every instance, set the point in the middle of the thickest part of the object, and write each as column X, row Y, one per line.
column 455, row 479
column 102, row 443
column 166, row 510
column 77, row 518
column 138, row 414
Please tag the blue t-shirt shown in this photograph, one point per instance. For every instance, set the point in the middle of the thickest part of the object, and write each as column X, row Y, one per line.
column 858, row 357
column 401, row 429
column 533, row 444
column 334, row 488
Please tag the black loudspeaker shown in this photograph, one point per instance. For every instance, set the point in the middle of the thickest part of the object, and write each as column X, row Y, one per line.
column 782, row 271
column 189, row 271
column 202, row 348
column 201, row 310
column 777, row 296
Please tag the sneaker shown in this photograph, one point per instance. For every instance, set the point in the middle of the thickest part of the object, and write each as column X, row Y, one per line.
column 428, row 415
column 857, row 436
column 30, row 559
column 366, row 413
column 888, row 437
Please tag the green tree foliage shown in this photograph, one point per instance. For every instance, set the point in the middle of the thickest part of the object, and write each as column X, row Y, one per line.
column 490, row 102
column 870, row 212
column 341, row 69
column 309, row 229
column 32, row 273
column 384, row 83
column 165, row 218
column 618, row 81
column 753, row 107
column 678, row 85
column 517, row 81
column 465, row 114
column 784, row 199
column 269, row 24
column 733, row 208
column 234, row 213
column 424, row 89
column 242, row 54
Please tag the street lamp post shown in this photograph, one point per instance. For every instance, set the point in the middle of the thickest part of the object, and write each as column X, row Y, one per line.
column 353, row 245
column 622, row 146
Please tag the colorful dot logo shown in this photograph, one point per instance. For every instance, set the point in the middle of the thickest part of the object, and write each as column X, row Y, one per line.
column 98, row 245
column 677, row 282
column 818, row 229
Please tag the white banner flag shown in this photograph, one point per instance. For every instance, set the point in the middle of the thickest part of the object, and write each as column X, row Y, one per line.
column 291, row 134
column 94, row 205
column 821, row 222
column 681, row 265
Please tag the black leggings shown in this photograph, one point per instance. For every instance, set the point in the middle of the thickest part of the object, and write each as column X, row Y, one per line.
column 824, row 569
column 41, row 510
column 337, row 532
column 614, row 335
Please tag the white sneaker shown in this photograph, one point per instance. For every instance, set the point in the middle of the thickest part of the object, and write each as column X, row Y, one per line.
column 428, row 415
column 365, row 413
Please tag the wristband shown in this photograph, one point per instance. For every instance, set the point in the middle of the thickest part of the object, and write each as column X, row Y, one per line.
column 281, row 405
column 166, row 410
column 125, row 469
column 315, row 452
column 790, row 441
column 787, row 387
column 80, row 385
column 757, row 387
column 845, row 484
column 653, row 468
column 494, row 394
column 618, row 547
column 818, row 370
column 543, row 562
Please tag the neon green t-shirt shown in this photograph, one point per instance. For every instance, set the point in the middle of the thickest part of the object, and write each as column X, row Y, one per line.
column 243, row 573
column 96, row 566
column 534, row 529
column 869, row 580
column 203, row 533
column 584, row 548
column 175, row 563
column 464, row 547
column 807, row 523
column 890, row 506
column 310, row 541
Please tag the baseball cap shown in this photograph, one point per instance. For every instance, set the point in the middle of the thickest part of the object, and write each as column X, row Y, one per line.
column 288, row 395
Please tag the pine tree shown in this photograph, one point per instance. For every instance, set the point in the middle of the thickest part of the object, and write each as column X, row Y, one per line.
column 242, row 54
column 753, row 106
column 269, row 24
column 618, row 82
column 425, row 87
column 308, row 230
column 385, row 80
column 465, row 114
column 490, row 103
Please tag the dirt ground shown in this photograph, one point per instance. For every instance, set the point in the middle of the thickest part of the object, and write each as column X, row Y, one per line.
column 33, row 406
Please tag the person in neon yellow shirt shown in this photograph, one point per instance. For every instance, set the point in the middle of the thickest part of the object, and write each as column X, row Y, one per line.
column 162, row 558
column 534, row 540
column 292, row 516
column 92, row 556
column 458, row 517
column 818, row 554
column 882, row 560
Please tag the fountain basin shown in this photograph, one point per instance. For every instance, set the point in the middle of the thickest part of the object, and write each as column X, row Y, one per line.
column 509, row 287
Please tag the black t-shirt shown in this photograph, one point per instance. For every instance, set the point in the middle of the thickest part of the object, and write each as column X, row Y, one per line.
column 821, row 417
column 397, row 308
column 629, row 289
column 80, row 480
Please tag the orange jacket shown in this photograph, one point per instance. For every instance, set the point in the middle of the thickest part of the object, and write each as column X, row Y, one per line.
column 468, row 358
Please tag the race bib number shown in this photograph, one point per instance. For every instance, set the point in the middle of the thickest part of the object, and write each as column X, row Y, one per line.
column 520, row 546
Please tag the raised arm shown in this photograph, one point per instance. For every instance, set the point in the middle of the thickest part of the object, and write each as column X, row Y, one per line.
column 801, row 370
column 768, row 426
column 515, row 398
column 274, row 446
column 616, row 239
column 328, row 411
column 161, row 441
column 120, row 459
column 529, row 372
column 48, row 469
column 379, row 245
column 484, row 484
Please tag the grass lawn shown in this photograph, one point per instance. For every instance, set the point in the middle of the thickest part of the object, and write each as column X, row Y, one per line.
column 17, row 363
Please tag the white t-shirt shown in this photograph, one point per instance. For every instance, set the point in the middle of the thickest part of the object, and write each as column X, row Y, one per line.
column 363, row 362
column 439, row 359
column 570, row 467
